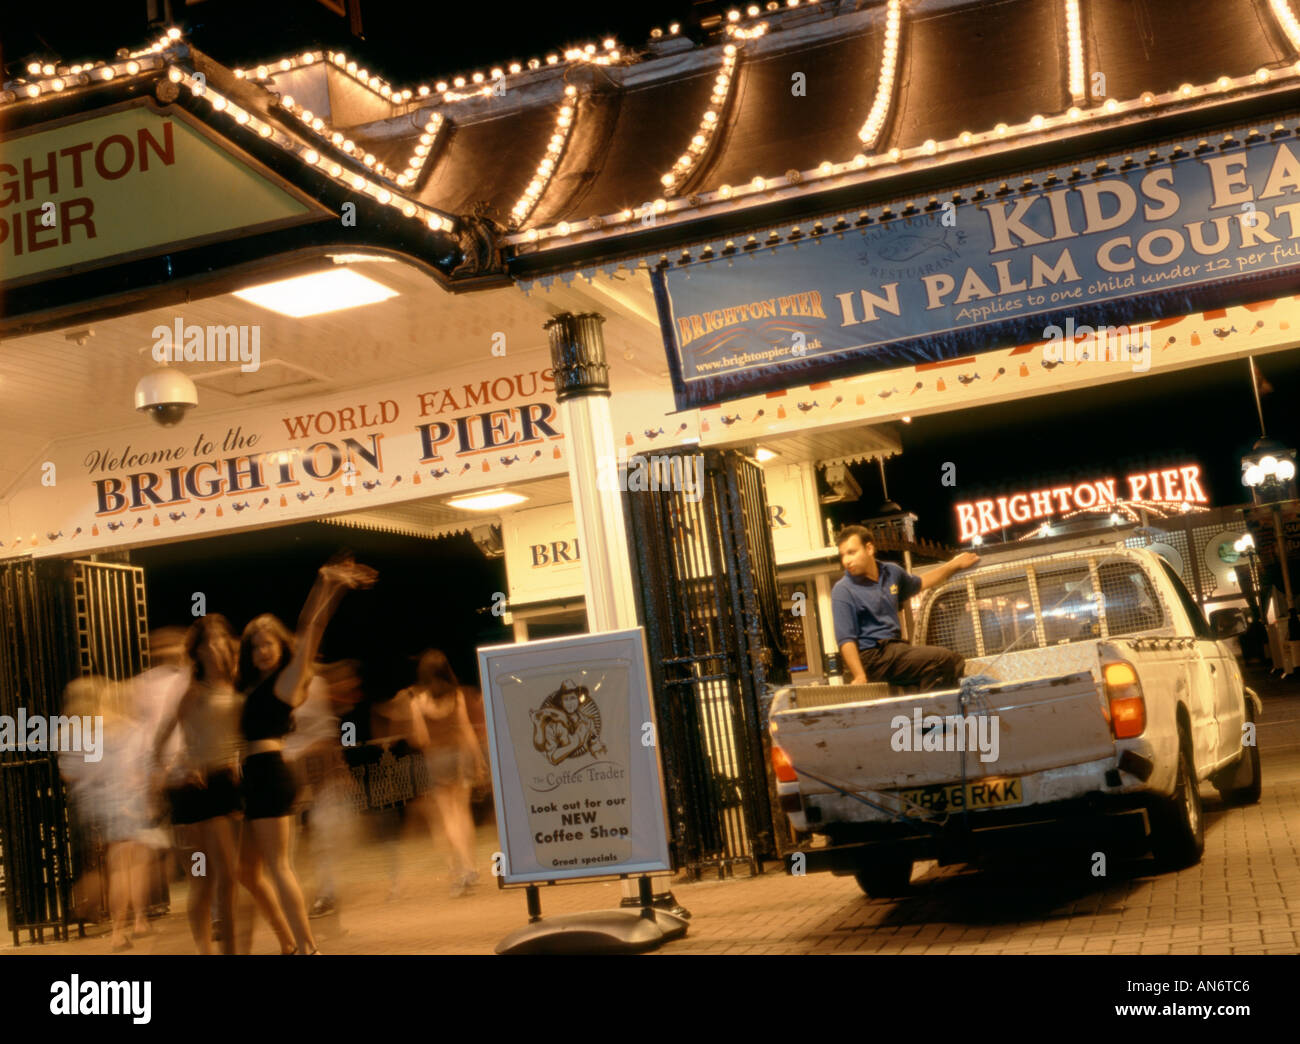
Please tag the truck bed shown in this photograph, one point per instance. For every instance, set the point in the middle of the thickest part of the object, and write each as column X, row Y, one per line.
column 859, row 743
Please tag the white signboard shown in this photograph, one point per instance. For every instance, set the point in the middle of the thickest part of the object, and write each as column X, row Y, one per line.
column 543, row 554
column 575, row 761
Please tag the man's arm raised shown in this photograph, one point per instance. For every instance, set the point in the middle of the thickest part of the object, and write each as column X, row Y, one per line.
column 937, row 576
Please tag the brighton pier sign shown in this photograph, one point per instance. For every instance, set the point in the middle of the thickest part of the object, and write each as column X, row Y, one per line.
column 1140, row 243
column 1163, row 486
column 349, row 451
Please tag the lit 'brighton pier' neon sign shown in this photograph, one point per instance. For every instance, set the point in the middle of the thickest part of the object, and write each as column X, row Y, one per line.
column 1169, row 485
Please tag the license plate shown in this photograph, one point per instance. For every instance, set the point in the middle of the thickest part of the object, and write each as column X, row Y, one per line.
column 981, row 794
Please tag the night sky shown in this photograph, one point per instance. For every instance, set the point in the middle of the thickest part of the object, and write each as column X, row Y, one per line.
column 404, row 41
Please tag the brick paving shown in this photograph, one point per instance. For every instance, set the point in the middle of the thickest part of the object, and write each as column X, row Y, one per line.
column 1244, row 896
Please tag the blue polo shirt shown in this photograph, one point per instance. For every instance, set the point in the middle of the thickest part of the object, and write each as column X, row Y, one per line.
column 868, row 610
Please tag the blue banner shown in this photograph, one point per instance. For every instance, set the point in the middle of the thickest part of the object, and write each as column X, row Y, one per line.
column 1154, row 240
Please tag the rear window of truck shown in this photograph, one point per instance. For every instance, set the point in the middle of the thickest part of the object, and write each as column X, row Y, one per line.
column 1069, row 600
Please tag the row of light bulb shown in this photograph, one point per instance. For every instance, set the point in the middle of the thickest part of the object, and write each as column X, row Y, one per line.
column 335, row 170
column 479, row 84
column 708, row 122
column 161, row 44
column 336, row 138
column 421, row 152
column 1002, row 132
column 885, row 86
column 54, row 82
column 753, row 11
column 1269, row 468
column 753, row 32
column 1074, row 38
column 1287, row 20
column 546, row 166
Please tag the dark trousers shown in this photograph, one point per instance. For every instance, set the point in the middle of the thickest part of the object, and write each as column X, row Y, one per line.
column 926, row 666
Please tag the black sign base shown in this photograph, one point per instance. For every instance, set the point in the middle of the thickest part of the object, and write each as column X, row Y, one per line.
column 597, row 932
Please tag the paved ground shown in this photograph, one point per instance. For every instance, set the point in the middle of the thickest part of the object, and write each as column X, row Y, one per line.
column 1244, row 897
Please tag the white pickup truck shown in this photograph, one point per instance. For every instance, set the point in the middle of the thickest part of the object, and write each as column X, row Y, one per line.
column 1112, row 698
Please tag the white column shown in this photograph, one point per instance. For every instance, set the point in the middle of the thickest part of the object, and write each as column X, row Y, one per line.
column 602, row 532
column 582, row 389
column 825, row 617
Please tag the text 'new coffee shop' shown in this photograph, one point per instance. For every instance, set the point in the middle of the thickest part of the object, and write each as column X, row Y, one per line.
column 491, row 317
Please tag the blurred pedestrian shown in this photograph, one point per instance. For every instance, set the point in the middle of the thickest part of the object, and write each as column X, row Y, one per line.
column 441, row 729
column 314, row 749
column 207, row 796
column 113, row 798
column 274, row 671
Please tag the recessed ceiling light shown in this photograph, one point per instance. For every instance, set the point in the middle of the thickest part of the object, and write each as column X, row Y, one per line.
column 764, row 454
column 490, row 500
column 315, row 294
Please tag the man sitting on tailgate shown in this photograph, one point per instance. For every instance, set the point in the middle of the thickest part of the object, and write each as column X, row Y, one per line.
column 865, row 607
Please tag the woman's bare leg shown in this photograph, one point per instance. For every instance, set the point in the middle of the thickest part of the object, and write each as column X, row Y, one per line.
column 140, row 861
column 272, row 838
column 225, row 849
column 252, row 878
column 119, row 885
column 198, row 904
column 453, row 803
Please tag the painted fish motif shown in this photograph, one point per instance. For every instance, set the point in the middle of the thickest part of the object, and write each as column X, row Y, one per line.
column 1220, row 332
column 507, row 461
column 804, row 407
column 967, row 378
column 907, row 245
column 730, row 420
column 304, row 497
column 886, row 394
column 649, row 434
column 176, row 516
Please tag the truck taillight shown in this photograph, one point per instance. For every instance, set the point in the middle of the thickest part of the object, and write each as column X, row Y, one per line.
column 783, row 766
column 1128, row 709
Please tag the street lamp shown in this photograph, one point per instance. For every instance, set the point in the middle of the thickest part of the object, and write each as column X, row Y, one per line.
column 1269, row 472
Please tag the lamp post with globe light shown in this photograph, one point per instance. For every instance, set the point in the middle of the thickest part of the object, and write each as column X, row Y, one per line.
column 1269, row 472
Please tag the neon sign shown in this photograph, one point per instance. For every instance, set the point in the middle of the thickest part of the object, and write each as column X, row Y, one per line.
column 1169, row 485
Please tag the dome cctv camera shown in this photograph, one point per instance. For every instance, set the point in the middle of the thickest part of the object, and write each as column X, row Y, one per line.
column 166, row 395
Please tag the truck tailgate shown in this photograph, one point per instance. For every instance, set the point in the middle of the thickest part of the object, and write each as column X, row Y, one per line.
column 1032, row 725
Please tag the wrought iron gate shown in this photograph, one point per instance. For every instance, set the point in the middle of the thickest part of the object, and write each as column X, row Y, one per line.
column 708, row 596
column 58, row 620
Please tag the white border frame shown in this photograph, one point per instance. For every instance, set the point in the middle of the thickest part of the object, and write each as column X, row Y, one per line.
column 495, row 660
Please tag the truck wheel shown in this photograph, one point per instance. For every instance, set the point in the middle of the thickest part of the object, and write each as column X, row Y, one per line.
column 1177, row 826
column 1243, row 784
column 885, row 878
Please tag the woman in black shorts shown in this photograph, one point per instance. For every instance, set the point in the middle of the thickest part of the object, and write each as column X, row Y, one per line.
column 274, row 669
column 208, row 799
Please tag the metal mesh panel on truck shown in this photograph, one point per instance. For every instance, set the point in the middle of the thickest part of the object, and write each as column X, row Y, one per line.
column 1043, row 602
